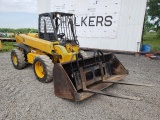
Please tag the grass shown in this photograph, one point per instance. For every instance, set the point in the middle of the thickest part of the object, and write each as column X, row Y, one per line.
column 153, row 40
column 7, row 46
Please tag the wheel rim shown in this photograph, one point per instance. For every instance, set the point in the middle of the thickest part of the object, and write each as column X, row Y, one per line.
column 14, row 58
column 39, row 69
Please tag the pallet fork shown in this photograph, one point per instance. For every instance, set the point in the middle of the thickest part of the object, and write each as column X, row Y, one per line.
column 84, row 77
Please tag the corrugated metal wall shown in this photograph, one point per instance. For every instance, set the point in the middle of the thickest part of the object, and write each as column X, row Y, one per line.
column 129, row 29
column 131, row 24
column 127, row 21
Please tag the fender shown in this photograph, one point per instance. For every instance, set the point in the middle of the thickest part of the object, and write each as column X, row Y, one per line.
column 26, row 48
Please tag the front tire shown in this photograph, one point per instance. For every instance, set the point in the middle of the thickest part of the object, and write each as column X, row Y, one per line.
column 18, row 59
column 43, row 68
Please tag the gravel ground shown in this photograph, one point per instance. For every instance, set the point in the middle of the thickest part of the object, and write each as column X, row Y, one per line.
column 22, row 97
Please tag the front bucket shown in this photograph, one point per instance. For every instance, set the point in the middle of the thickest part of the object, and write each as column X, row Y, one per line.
column 71, row 79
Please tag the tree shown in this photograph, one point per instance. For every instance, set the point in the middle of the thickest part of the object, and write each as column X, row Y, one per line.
column 154, row 12
column 147, row 25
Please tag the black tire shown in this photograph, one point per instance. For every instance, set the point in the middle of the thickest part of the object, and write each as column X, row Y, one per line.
column 18, row 59
column 43, row 68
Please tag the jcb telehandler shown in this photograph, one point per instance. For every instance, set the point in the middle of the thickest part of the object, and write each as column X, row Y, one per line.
column 55, row 55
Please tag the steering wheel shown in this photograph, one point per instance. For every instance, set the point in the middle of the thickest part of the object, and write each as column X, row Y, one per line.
column 61, row 35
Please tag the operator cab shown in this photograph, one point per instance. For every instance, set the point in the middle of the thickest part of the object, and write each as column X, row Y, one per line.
column 57, row 26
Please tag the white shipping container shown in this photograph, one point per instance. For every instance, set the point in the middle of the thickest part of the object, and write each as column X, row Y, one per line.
column 103, row 24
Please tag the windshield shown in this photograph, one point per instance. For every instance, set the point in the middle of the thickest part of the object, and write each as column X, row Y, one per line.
column 64, row 26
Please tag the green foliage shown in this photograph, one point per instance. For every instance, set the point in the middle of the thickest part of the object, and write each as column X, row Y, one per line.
column 147, row 25
column 7, row 46
column 150, row 37
column 21, row 30
column 153, row 40
column 154, row 12
column 158, row 33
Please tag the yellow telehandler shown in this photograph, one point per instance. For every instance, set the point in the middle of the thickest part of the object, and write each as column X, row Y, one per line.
column 55, row 55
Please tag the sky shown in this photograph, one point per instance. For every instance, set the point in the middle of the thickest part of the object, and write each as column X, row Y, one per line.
column 18, row 14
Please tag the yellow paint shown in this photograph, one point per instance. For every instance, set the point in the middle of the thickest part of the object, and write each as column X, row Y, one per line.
column 39, row 46
column 69, row 48
column 56, row 43
column 72, row 48
column 75, row 48
column 33, row 35
column 66, row 57
column 11, row 34
column 31, row 56
column 39, row 69
column 14, row 58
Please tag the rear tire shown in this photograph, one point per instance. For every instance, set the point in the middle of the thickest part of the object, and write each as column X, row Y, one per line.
column 43, row 68
column 18, row 59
